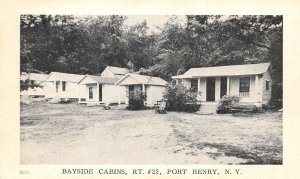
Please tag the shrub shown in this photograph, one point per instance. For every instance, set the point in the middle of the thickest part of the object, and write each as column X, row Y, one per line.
column 226, row 102
column 265, row 107
column 180, row 98
column 136, row 100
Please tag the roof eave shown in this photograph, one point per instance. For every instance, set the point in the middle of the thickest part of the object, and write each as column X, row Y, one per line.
column 198, row 76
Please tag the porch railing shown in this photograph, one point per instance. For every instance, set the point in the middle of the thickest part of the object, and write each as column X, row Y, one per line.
column 244, row 94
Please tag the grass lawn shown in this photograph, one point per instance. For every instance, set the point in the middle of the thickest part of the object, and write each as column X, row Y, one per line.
column 77, row 134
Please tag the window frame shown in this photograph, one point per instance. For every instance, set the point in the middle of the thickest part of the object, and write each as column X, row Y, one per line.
column 180, row 81
column 131, row 88
column 91, row 92
column 56, row 86
column 63, row 85
column 267, row 85
column 194, row 87
column 244, row 88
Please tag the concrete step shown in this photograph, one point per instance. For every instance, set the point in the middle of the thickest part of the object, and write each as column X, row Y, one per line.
column 208, row 108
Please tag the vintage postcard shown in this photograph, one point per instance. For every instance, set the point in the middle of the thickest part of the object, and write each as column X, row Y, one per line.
column 170, row 92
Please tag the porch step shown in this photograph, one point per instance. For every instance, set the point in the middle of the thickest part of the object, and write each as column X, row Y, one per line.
column 208, row 108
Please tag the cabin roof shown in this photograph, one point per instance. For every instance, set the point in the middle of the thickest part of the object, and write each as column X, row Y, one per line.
column 230, row 70
column 118, row 70
column 58, row 76
column 143, row 79
column 101, row 80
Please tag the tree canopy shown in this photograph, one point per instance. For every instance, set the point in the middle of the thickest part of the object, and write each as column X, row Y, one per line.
column 87, row 44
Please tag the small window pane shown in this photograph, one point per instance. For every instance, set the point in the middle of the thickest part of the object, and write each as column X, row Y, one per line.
column 63, row 86
column 245, row 84
column 194, row 84
column 56, row 86
column 131, row 88
column 267, row 85
column 90, row 92
column 179, row 81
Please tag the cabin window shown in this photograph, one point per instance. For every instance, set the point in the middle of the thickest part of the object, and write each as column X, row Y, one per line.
column 56, row 85
column 179, row 81
column 194, row 84
column 245, row 84
column 131, row 88
column 267, row 85
column 32, row 84
column 63, row 86
column 90, row 92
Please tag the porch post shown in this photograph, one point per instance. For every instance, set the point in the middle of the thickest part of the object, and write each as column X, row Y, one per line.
column 127, row 95
column 97, row 92
column 217, row 88
column 143, row 90
column 256, row 89
column 227, row 91
column 199, row 92
column 262, row 89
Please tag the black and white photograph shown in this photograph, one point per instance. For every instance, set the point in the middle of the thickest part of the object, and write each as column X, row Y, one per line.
column 151, row 89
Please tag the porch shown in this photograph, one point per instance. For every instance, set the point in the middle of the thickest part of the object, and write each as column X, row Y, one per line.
column 212, row 89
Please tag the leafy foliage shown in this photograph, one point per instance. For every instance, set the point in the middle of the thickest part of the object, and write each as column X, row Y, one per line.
column 226, row 103
column 87, row 44
column 136, row 100
column 26, row 84
column 180, row 99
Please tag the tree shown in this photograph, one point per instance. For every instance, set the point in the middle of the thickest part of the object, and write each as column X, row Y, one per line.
column 87, row 44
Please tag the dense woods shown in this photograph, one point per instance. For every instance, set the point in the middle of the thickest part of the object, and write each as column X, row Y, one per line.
column 87, row 44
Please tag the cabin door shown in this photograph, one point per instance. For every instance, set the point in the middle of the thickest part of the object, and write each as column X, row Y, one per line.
column 100, row 92
column 223, row 86
column 131, row 88
column 210, row 88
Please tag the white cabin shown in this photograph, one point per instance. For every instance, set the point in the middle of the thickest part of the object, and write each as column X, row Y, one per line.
column 101, row 90
column 251, row 82
column 152, row 86
column 64, row 86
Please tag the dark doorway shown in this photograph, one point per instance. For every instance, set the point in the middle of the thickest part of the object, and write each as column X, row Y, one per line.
column 100, row 92
column 210, row 88
column 223, row 86
column 131, row 88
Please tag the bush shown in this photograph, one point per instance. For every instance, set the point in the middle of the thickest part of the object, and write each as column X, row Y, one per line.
column 181, row 99
column 226, row 102
column 136, row 100
column 265, row 107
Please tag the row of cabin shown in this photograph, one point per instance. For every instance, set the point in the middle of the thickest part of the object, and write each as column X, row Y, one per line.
column 112, row 86
column 251, row 82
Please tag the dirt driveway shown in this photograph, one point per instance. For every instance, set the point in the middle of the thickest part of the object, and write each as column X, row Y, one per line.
column 77, row 134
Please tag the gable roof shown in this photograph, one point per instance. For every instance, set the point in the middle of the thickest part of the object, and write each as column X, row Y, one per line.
column 57, row 76
column 230, row 70
column 118, row 70
column 143, row 79
column 101, row 80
